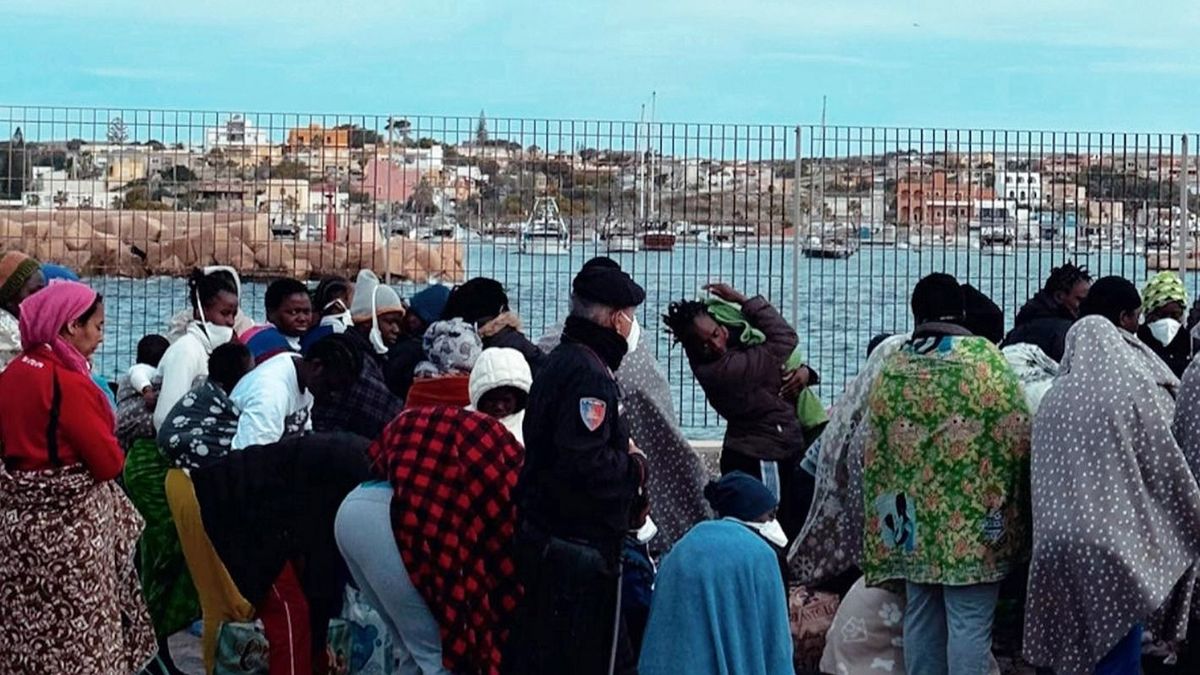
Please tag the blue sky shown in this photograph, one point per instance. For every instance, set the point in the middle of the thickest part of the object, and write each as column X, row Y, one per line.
column 1046, row 64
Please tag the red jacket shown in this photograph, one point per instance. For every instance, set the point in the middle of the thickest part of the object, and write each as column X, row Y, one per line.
column 83, row 426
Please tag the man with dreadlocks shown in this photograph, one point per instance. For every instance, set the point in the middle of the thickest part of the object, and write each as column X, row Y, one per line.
column 1046, row 318
column 744, row 380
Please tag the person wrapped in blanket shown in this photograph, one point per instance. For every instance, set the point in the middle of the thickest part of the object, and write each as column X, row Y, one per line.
column 368, row 405
column 744, row 376
column 429, row 543
column 199, row 430
column 137, row 392
column 720, row 605
column 945, row 467
column 1114, row 498
column 72, row 602
column 240, row 434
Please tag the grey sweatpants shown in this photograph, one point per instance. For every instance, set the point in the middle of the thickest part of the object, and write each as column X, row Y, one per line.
column 364, row 535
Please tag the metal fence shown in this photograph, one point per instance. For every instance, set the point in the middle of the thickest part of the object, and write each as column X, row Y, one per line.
column 833, row 224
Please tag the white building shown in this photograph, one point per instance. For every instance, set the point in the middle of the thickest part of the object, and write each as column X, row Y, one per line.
column 237, row 132
column 55, row 190
column 1023, row 187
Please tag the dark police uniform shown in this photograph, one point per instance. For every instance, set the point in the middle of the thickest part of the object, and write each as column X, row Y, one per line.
column 574, row 498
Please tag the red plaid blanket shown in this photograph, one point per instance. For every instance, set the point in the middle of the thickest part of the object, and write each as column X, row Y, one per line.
column 453, row 472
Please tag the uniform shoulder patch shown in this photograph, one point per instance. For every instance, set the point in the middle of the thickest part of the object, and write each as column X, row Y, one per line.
column 592, row 411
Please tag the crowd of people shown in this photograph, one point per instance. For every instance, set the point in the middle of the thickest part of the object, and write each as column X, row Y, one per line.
column 531, row 507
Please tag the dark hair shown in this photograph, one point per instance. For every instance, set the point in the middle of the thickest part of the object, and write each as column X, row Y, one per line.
column 937, row 297
column 150, row 349
column 981, row 316
column 1111, row 297
column 328, row 289
column 208, row 287
column 876, row 341
column 282, row 289
column 1064, row 278
column 681, row 315
column 478, row 299
column 337, row 353
column 87, row 314
column 228, row 364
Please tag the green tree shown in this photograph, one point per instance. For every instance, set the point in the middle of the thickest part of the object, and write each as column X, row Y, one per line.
column 16, row 170
column 421, row 200
column 179, row 174
column 117, row 131
column 290, row 168
column 360, row 136
column 481, row 130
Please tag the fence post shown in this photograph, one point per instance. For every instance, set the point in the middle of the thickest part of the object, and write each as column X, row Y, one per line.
column 1185, row 231
column 796, row 216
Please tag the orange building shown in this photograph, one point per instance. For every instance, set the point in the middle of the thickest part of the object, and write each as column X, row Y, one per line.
column 938, row 199
column 317, row 136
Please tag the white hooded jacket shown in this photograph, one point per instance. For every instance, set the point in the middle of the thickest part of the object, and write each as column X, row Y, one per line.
column 501, row 367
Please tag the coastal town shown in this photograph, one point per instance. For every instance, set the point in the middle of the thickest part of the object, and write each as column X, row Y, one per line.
column 283, row 193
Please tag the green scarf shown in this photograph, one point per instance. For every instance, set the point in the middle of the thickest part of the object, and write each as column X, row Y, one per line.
column 809, row 408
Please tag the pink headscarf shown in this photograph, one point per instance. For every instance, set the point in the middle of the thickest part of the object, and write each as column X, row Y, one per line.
column 45, row 313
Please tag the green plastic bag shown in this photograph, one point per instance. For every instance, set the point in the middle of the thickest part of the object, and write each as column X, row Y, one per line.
column 810, row 411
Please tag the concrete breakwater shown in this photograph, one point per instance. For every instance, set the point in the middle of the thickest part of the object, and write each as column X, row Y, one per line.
column 148, row 243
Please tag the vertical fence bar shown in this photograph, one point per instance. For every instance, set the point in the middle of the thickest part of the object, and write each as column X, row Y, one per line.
column 1185, row 232
column 797, row 208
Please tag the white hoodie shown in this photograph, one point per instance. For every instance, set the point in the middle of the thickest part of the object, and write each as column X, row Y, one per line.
column 183, row 362
column 501, row 367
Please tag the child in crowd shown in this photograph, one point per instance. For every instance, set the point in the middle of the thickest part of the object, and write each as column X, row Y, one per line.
column 150, row 350
column 499, row 386
column 289, row 309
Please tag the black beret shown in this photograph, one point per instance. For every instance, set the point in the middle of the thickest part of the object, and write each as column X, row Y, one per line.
column 602, row 281
column 602, row 261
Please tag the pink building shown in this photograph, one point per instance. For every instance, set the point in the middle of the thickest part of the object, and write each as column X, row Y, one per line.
column 388, row 182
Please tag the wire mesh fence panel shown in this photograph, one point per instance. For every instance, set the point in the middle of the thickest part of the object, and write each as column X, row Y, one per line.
column 999, row 209
column 133, row 199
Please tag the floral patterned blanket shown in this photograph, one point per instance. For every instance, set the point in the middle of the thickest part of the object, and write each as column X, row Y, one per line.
column 946, row 465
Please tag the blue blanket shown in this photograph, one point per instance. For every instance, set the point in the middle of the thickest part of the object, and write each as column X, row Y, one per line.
column 719, row 607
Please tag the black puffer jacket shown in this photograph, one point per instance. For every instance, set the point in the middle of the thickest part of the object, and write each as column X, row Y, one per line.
column 1044, row 323
column 743, row 387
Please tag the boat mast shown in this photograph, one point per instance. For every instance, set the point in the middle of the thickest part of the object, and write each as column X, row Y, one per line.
column 641, row 170
column 653, row 160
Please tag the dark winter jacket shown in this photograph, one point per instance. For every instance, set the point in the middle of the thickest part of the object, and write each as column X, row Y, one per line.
column 505, row 331
column 402, row 360
column 1044, row 323
column 743, row 387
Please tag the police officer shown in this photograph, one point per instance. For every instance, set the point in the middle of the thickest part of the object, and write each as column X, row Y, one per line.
column 581, row 478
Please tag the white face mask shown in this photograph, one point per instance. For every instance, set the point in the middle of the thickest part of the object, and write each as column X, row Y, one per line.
column 635, row 334
column 376, row 335
column 647, row 532
column 771, row 530
column 217, row 335
column 338, row 322
column 1165, row 330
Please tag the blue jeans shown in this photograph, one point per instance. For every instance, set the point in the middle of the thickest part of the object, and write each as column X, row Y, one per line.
column 364, row 535
column 948, row 629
